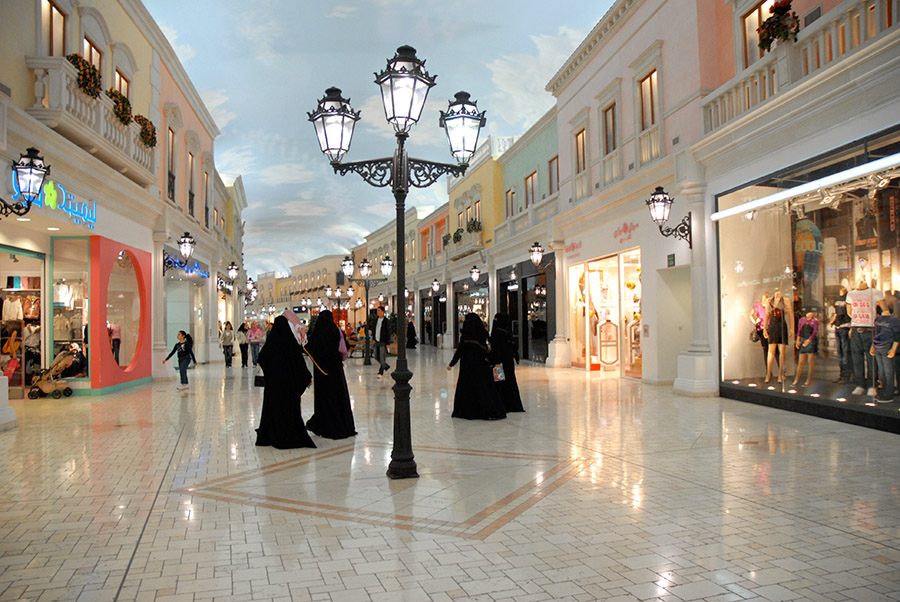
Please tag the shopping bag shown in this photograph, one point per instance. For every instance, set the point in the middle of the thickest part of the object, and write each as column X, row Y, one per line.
column 259, row 380
column 499, row 374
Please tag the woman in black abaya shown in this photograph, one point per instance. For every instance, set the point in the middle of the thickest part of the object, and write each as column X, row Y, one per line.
column 476, row 397
column 287, row 377
column 332, row 417
column 505, row 353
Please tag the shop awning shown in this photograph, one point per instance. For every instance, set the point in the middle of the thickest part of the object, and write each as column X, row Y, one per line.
column 854, row 173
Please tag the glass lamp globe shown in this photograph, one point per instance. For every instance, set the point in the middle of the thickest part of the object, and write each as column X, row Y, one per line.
column 537, row 253
column 30, row 173
column 404, row 87
column 347, row 267
column 186, row 245
column 462, row 122
column 387, row 266
column 365, row 268
column 334, row 120
column 659, row 203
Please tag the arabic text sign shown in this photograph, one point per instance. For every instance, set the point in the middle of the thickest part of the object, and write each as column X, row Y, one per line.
column 55, row 196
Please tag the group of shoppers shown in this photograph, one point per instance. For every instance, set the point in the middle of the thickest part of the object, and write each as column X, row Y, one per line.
column 486, row 388
column 287, row 377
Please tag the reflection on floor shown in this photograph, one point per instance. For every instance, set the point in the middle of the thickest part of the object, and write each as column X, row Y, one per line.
column 605, row 489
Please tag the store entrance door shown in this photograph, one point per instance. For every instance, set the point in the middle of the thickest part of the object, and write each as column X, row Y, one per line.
column 605, row 297
column 21, row 338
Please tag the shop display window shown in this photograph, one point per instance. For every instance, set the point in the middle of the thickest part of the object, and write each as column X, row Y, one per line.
column 801, row 280
column 471, row 298
column 71, row 260
column 123, row 309
column 21, row 335
column 605, row 319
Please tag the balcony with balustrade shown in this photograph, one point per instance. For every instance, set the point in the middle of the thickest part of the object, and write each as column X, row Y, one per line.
column 525, row 221
column 845, row 33
column 469, row 243
column 90, row 123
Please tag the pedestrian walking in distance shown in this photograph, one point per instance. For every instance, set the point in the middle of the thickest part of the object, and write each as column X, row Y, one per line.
column 227, row 342
column 185, row 350
column 382, row 336
column 255, row 338
column 243, row 343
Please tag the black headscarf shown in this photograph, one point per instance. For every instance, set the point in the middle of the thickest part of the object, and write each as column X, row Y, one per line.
column 473, row 330
column 281, row 338
column 322, row 343
column 281, row 356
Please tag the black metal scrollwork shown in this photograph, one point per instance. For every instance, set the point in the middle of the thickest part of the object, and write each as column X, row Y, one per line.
column 425, row 173
column 171, row 262
column 681, row 231
column 376, row 172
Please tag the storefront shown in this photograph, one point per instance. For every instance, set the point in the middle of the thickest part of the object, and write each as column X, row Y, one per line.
column 225, row 303
column 186, row 306
column 800, row 306
column 433, row 313
column 525, row 292
column 76, row 303
column 605, row 314
column 471, row 296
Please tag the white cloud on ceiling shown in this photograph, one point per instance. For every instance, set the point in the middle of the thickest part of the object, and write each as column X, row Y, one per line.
column 525, row 98
column 215, row 101
column 261, row 28
column 285, row 173
column 341, row 12
column 184, row 51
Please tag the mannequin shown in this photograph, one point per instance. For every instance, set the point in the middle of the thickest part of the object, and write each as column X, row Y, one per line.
column 779, row 326
column 807, row 345
column 758, row 318
column 861, row 303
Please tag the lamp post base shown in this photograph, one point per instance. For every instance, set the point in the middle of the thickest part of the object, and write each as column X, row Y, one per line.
column 403, row 464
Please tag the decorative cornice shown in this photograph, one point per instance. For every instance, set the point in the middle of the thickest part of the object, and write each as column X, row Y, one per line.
column 145, row 22
column 605, row 28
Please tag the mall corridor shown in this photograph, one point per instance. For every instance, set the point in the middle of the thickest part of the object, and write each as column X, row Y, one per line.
column 605, row 489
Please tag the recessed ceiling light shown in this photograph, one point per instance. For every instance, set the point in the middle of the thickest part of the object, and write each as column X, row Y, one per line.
column 52, row 228
column 23, row 219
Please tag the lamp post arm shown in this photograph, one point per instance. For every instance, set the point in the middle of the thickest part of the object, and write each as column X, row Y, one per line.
column 682, row 230
column 376, row 172
column 423, row 174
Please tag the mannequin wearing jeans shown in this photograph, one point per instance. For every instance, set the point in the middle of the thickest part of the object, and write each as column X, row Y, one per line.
column 862, row 318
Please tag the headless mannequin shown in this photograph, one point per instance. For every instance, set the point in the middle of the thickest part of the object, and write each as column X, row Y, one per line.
column 778, row 331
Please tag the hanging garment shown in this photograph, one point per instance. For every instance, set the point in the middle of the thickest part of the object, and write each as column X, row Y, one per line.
column 31, row 335
column 60, row 328
column 12, row 309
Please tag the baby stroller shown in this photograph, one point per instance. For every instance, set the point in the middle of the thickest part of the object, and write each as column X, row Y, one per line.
column 47, row 382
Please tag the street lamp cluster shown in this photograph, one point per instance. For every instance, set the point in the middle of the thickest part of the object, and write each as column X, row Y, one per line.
column 365, row 271
column 404, row 85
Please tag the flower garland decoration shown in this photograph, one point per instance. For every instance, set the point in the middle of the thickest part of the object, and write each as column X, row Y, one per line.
column 473, row 225
column 122, row 106
column 784, row 24
column 457, row 236
column 446, row 239
column 148, row 131
column 88, row 75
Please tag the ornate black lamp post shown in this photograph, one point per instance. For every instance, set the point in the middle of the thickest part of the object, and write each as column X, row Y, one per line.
column 365, row 270
column 30, row 172
column 404, row 87
column 660, row 203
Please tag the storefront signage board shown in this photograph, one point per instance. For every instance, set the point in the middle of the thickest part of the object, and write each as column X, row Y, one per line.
column 55, row 196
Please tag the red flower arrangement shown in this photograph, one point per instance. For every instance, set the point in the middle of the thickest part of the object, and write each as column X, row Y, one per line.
column 122, row 107
column 88, row 76
column 784, row 24
column 148, row 131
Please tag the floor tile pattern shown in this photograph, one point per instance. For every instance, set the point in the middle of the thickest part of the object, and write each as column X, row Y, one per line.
column 605, row 489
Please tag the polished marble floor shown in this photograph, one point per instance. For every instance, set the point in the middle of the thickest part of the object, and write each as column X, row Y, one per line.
column 605, row 489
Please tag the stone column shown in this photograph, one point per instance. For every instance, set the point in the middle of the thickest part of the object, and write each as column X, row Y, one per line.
column 697, row 374
column 160, row 345
column 558, row 352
